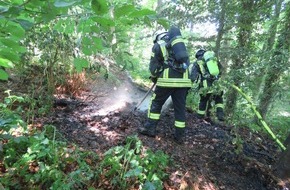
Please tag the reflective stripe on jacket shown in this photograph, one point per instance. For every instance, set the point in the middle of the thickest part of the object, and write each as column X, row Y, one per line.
column 170, row 77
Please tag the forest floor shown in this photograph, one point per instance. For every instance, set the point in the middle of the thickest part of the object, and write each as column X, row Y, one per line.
column 214, row 156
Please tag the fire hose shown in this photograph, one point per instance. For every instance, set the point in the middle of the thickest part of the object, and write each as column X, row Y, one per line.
column 136, row 107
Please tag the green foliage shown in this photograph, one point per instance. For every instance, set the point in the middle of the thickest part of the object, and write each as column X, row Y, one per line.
column 126, row 166
column 237, row 141
column 259, row 117
column 280, row 126
column 192, row 98
column 39, row 159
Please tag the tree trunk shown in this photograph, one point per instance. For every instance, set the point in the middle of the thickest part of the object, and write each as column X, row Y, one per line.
column 266, row 51
column 277, row 65
column 282, row 166
column 245, row 21
column 221, row 22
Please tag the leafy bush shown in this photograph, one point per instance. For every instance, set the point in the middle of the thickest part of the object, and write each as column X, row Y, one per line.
column 128, row 166
column 39, row 160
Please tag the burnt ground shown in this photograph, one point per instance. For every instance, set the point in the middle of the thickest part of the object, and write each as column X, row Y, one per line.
column 214, row 155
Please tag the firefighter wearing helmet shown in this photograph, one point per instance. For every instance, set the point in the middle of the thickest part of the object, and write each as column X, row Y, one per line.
column 200, row 74
column 170, row 82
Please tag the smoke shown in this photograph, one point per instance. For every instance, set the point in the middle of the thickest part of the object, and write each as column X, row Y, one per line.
column 119, row 97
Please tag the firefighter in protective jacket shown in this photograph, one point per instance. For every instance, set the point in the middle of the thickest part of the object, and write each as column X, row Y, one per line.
column 170, row 81
column 200, row 74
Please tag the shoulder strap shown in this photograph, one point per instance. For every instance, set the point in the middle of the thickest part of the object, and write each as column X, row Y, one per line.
column 164, row 51
column 201, row 64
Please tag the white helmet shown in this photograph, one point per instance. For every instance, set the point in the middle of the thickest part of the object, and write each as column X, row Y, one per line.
column 158, row 35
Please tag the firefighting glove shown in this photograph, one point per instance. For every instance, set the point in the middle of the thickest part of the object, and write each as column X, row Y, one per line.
column 153, row 79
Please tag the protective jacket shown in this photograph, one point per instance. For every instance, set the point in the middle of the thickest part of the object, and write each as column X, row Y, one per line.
column 171, row 83
column 168, row 75
column 199, row 74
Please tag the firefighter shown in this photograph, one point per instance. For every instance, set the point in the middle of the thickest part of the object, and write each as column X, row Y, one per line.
column 206, row 81
column 171, row 81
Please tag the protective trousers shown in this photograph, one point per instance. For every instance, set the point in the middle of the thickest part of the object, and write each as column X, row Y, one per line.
column 178, row 96
column 205, row 103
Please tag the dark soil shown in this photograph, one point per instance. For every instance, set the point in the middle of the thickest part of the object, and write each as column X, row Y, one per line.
column 214, row 155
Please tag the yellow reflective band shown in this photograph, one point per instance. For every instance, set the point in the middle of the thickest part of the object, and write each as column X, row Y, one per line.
column 162, row 45
column 152, row 98
column 179, row 124
column 174, row 82
column 150, row 115
column 177, row 40
column 201, row 112
column 155, row 116
column 185, row 74
column 166, row 73
column 204, row 83
column 219, row 105
column 201, row 66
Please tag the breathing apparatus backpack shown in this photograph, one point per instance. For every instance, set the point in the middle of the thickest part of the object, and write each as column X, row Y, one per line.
column 209, row 65
column 178, row 55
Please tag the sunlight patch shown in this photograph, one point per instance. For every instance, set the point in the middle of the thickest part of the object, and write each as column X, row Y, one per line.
column 285, row 113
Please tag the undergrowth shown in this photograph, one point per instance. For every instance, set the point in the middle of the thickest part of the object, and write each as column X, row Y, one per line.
column 33, row 158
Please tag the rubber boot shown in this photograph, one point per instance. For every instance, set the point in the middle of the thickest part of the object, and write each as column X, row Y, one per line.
column 178, row 135
column 220, row 114
column 149, row 128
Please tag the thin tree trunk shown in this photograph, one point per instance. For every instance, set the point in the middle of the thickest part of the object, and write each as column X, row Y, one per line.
column 245, row 21
column 273, row 28
column 266, row 51
column 221, row 22
column 280, row 58
column 277, row 65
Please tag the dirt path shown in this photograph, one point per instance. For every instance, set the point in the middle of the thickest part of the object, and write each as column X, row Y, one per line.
column 211, row 158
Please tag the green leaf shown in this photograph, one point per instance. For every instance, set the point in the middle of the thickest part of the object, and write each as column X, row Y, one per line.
column 98, row 43
column 163, row 22
column 95, row 29
column 50, row 15
column 84, row 25
column 141, row 13
column 45, row 141
column 134, row 172
column 104, row 21
column 14, row 10
column 64, row 3
column 60, row 25
column 5, row 63
column 26, row 24
column 147, row 21
column 8, row 54
column 100, row 7
column 70, row 28
column 124, row 10
column 80, row 63
column 87, row 50
column 15, row 30
column 9, row 43
column 3, row 9
column 3, row 75
column 148, row 186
